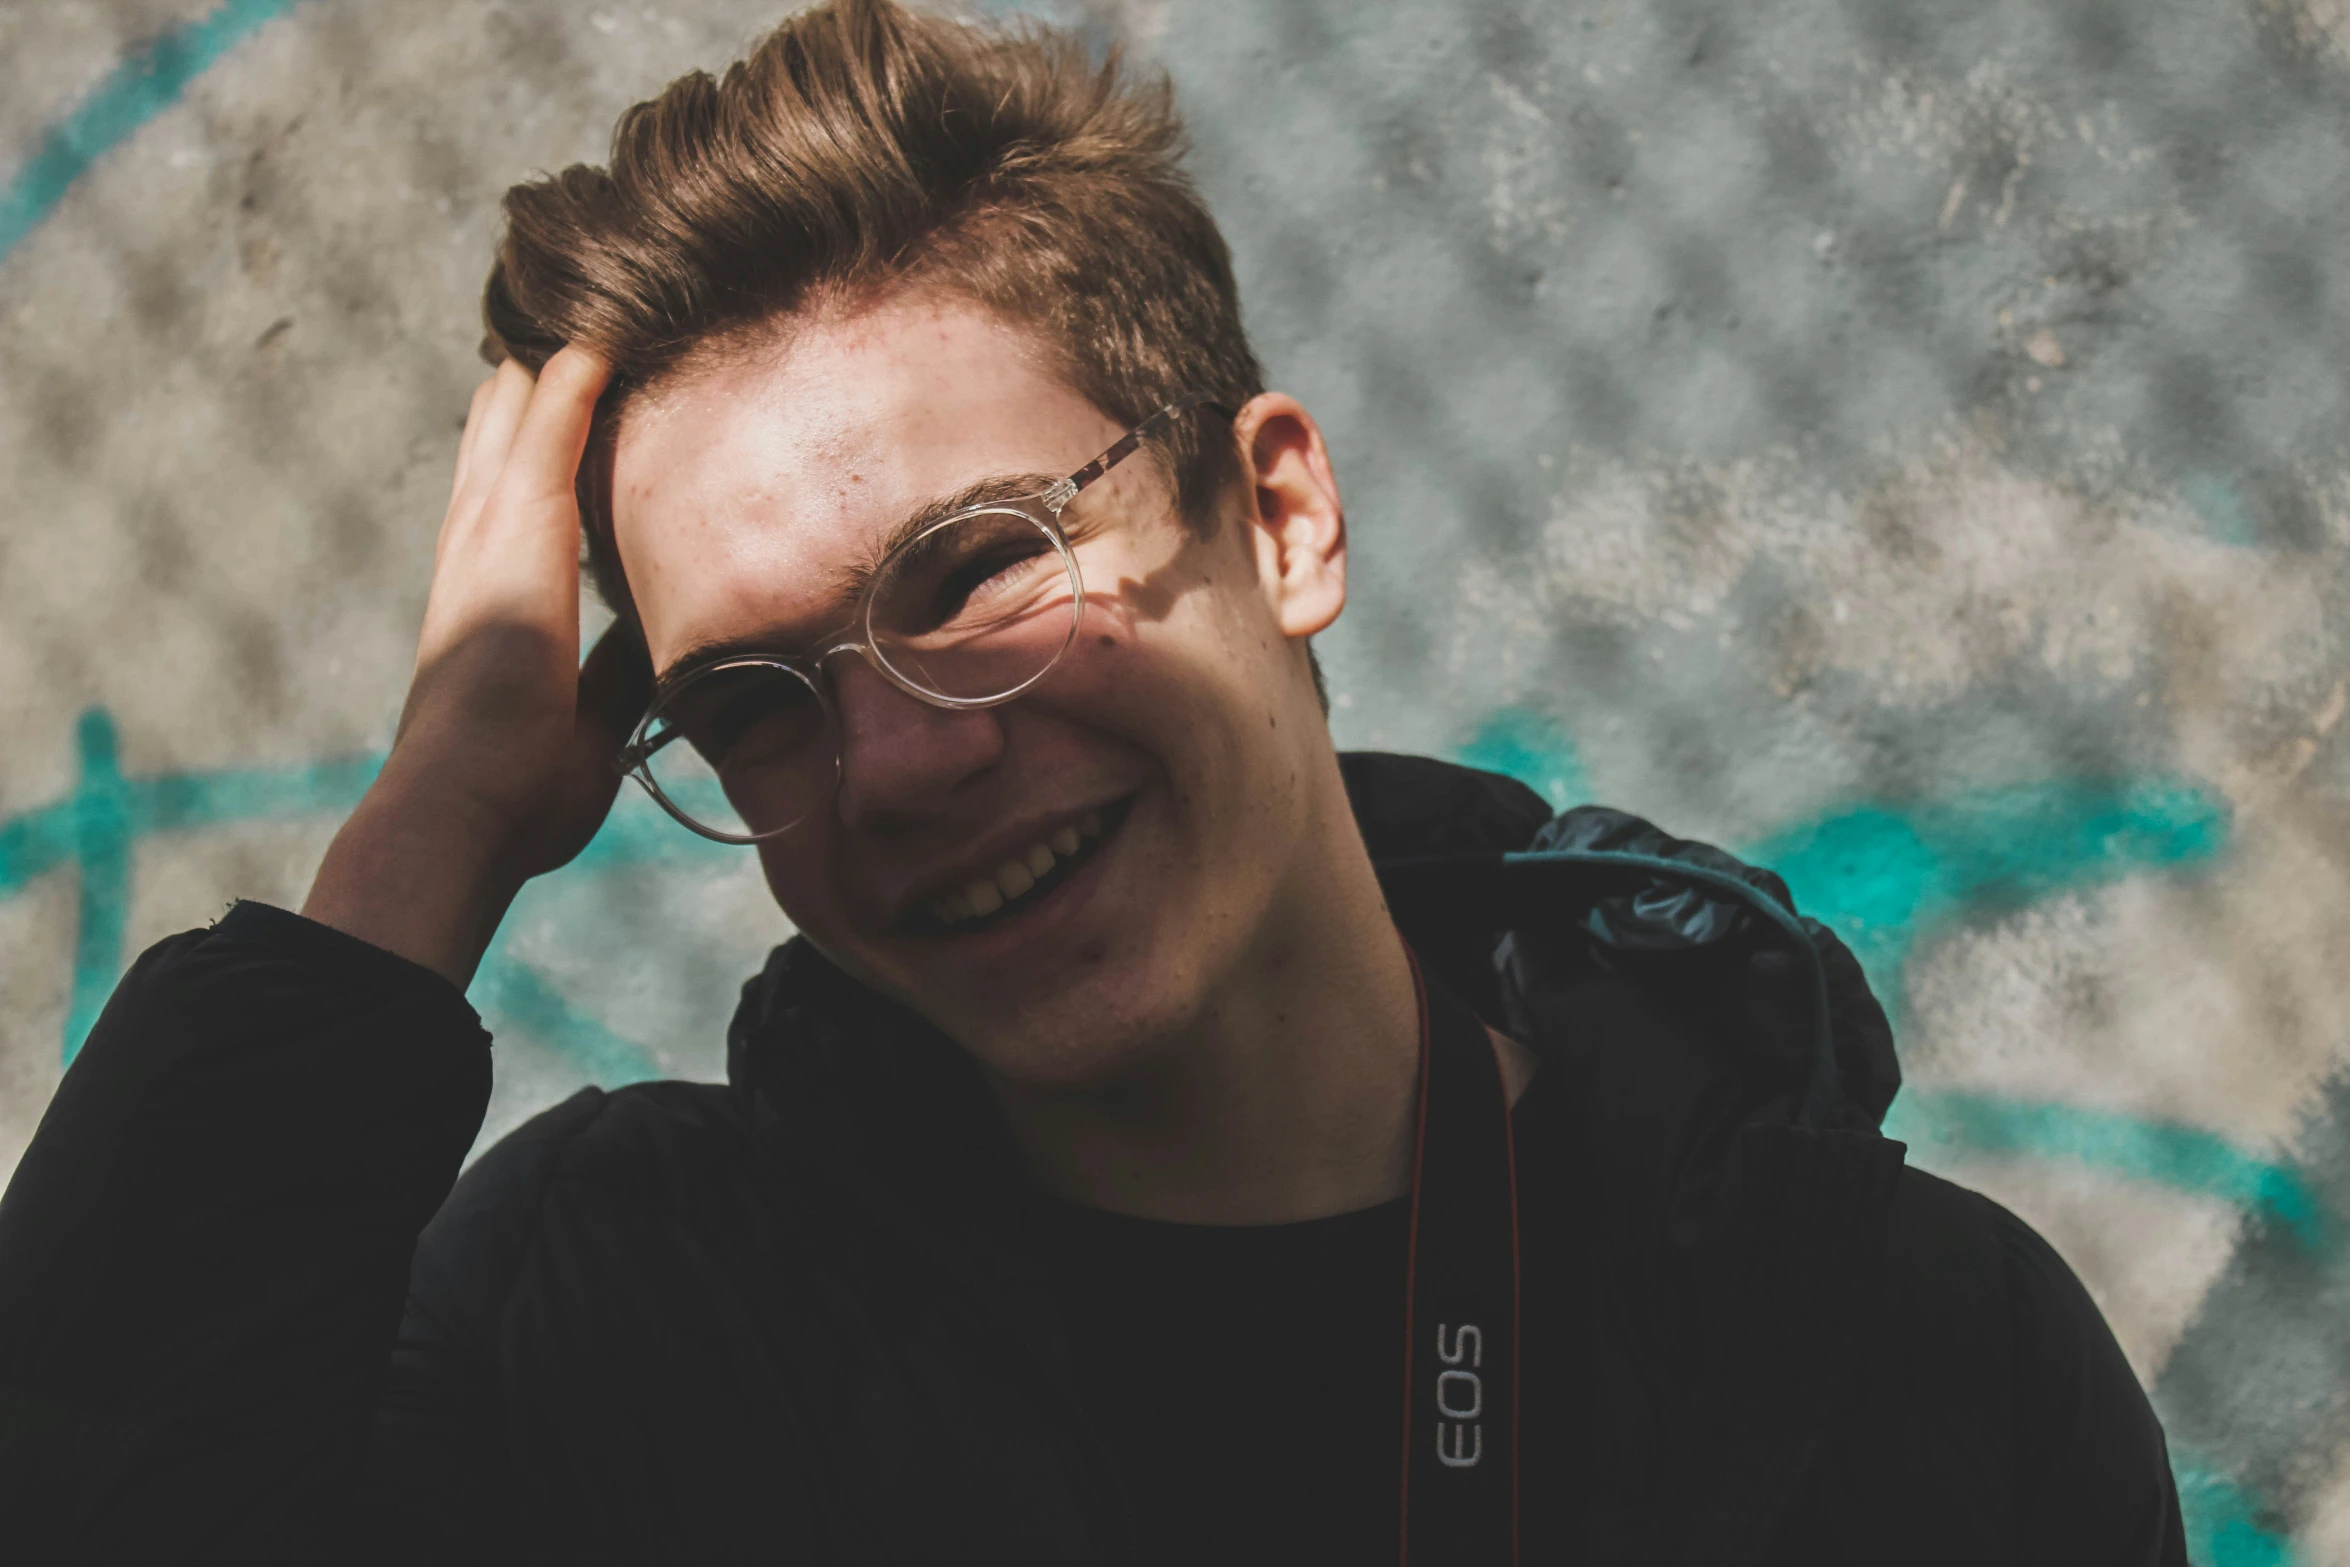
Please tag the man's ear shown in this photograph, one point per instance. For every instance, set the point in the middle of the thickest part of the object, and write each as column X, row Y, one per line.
column 1297, row 522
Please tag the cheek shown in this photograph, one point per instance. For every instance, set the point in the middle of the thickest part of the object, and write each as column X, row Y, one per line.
column 1193, row 629
column 1152, row 684
column 799, row 871
column 1190, row 691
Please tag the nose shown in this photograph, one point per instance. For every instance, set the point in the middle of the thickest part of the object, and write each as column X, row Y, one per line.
column 901, row 759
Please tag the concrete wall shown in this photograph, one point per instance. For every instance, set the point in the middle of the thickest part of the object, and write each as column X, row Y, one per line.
column 1900, row 439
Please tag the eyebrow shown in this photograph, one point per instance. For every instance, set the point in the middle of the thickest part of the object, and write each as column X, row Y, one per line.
column 859, row 576
column 985, row 492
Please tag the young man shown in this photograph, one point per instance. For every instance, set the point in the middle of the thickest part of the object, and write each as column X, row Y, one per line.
column 1166, row 1141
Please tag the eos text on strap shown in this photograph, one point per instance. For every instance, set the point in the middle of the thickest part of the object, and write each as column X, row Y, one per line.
column 1460, row 1426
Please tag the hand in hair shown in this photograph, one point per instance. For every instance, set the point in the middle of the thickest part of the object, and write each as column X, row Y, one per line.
column 502, row 767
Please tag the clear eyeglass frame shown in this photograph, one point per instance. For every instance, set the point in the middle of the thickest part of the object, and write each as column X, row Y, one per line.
column 1041, row 510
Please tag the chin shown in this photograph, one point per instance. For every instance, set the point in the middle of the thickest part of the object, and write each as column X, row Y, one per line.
column 1083, row 1032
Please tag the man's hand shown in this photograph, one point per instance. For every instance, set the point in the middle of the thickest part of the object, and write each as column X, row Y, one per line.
column 502, row 769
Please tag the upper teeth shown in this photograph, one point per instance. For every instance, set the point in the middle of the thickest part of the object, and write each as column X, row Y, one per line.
column 1017, row 875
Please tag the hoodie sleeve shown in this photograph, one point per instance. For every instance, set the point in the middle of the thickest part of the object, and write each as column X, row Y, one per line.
column 2093, row 1476
column 440, row 1486
column 204, row 1253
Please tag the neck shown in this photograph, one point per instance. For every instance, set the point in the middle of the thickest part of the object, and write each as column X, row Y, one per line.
column 1290, row 1096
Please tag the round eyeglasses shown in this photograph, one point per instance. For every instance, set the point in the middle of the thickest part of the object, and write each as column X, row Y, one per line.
column 966, row 611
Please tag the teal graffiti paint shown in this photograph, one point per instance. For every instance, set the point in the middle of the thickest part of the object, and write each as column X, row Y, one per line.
column 520, row 996
column 97, row 828
column 1532, row 749
column 147, row 81
column 33, row 844
column 638, row 832
column 184, row 800
column 1882, row 876
column 2219, row 501
column 102, row 833
column 2163, row 1153
column 2226, row 1525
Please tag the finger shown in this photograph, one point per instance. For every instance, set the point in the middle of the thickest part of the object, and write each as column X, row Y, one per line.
column 491, row 437
column 471, row 468
column 544, row 460
column 509, row 546
column 476, row 414
column 501, row 416
column 473, row 412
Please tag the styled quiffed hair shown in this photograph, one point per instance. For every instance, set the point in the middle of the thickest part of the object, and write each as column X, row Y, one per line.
column 861, row 148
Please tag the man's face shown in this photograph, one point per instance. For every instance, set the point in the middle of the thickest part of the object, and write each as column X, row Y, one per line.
column 1170, row 748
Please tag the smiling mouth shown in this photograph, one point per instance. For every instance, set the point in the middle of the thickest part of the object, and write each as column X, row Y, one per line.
column 1024, row 880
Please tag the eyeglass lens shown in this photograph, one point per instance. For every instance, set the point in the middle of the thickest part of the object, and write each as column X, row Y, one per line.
column 975, row 608
column 971, row 611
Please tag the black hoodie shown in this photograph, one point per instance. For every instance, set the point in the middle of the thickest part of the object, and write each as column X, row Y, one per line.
column 783, row 1319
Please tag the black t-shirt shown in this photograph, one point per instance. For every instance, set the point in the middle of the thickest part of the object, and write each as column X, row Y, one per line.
column 1248, row 1382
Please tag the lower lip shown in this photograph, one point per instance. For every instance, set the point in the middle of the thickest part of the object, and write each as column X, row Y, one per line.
column 1041, row 919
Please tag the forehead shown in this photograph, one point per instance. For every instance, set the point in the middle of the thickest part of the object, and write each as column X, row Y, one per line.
column 743, row 494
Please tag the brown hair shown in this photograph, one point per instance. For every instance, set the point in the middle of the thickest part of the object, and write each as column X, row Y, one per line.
column 860, row 147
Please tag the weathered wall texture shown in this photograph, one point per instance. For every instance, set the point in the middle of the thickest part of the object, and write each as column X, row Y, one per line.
column 1900, row 439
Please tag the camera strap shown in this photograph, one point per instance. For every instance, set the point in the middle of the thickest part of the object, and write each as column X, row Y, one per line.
column 1461, row 1329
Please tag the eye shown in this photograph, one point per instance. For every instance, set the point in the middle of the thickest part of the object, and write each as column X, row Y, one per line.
column 984, row 571
column 732, row 716
column 974, row 569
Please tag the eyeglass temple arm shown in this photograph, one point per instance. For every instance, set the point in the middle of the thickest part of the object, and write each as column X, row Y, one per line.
column 638, row 752
column 1061, row 494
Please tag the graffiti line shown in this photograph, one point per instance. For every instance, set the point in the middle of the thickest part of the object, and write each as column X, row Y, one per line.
column 97, row 828
column 520, row 995
column 2225, row 1523
column 147, row 81
column 2161, row 1153
column 102, row 844
column 1883, row 878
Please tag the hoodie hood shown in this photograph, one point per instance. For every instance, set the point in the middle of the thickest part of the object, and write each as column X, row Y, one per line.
column 1515, row 907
